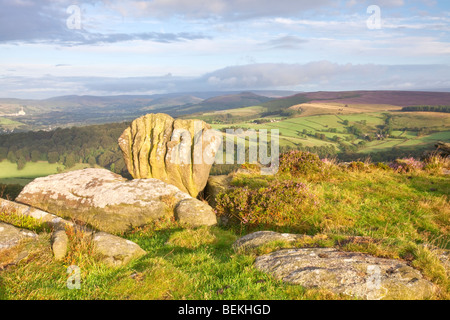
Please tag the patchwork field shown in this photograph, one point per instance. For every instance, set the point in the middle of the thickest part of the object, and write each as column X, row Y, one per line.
column 310, row 109
column 323, row 124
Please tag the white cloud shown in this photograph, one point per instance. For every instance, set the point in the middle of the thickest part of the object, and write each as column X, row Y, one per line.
column 314, row 76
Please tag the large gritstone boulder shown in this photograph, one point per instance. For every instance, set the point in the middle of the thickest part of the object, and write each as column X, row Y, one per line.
column 179, row 152
column 104, row 200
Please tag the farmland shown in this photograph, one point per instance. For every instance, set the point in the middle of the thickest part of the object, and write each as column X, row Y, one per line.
column 358, row 128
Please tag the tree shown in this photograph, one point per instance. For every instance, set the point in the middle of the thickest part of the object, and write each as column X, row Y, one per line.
column 70, row 160
column 92, row 161
column 21, row 162
column 3, row 153
column 53, row 157
column 35, row 156
column 11, row 157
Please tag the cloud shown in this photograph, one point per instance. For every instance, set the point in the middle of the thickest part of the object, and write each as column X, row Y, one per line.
column 221, row 9
column 286, row 42
column 314, row 76
column 46, row 22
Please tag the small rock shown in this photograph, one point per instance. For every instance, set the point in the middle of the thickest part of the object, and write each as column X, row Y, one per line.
column 115, row 251
column 260, row 238
column 195, row 213
column 60, row 244
column 216, row 185
column 10, row 236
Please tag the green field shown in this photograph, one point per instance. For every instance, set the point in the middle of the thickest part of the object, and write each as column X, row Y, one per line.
column 302, row 131
column 32, row 170
column 9, row 124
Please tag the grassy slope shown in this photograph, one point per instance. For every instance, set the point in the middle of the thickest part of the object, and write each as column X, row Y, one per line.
column 398, row 213
column 291, row 128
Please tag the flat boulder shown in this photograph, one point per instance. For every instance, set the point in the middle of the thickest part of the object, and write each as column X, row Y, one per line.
column 179, row 152
column 354, row 274
column 260, row 238
column 102, row 199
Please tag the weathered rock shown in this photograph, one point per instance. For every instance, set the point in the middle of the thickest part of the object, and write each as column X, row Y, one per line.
column 195, row 213
column 49, row 219
column 60, row 244
column 115, row 251
column 107, row 201
column 260, row 238
column 10, row 236
column 179, row 152
column 216, row 185
column 355, row 274
column 102, row 199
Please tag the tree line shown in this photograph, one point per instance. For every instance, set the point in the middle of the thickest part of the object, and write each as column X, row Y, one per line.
column 96, row 145
column 445, row 109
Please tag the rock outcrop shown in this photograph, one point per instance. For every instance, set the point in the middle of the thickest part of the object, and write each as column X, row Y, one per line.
column 111, row 249
column 349, row 273
column 179, row 152
column 102, row 199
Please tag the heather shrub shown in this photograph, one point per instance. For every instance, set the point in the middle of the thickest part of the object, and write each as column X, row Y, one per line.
column 280, row 204
column 382, row 166
column 301, row 163
column 406, row 165
column 435, row 163
column 356, row 166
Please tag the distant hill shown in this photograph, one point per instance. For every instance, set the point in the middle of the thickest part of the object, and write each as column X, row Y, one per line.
column 75, row 110
column 225, row 102
column 396, row 98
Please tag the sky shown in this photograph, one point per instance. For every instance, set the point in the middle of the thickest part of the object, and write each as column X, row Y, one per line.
column 108, row 47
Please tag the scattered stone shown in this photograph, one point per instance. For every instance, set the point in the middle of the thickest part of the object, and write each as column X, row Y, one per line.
column 115, row 251
column 216, row 185
column 103, row 199
column 10, row 236
column 354, row 274
column 195, row 213
column 179, row 152
column 260, row 238
column 60, row 244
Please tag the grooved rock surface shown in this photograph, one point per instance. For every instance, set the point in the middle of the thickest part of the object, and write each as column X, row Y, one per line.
column 102, row 199
column 179, row 152
column 355, row 274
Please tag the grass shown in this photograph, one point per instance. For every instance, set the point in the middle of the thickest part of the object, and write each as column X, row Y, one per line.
column 370, row 210
column 31, row 170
